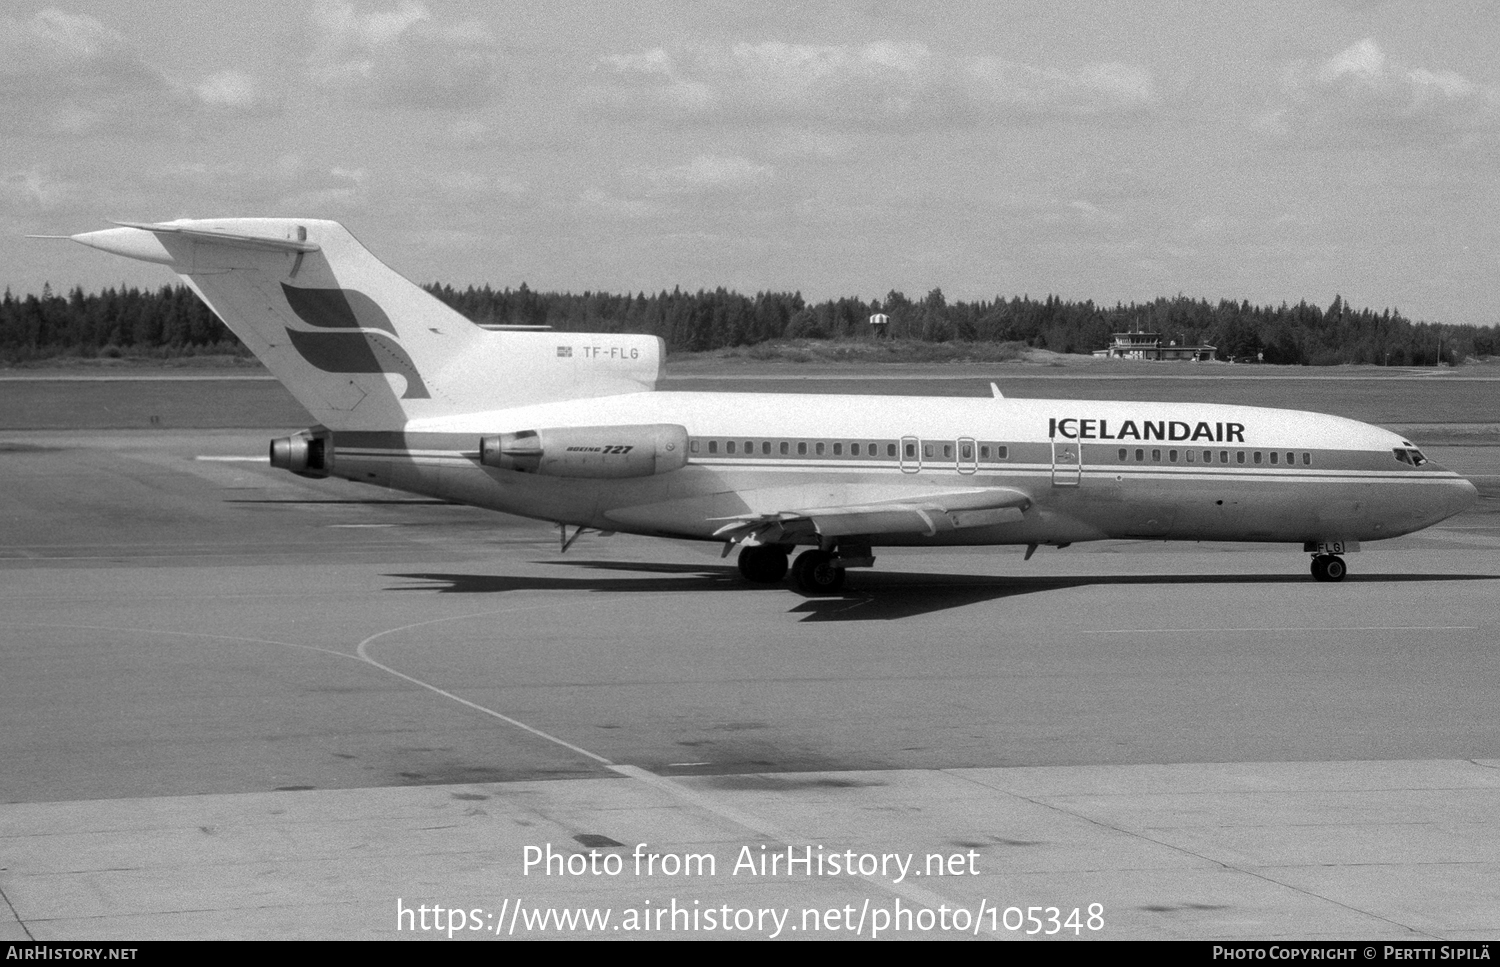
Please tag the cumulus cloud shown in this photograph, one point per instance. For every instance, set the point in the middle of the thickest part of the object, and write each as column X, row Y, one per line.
column 708, row 172
column 38, row 190
column 289, row 184
column 334, row 190
column 70, row 74
column 593, row 201
column 234, row 91
column 1360, row 93
column 402, row 56
column 878, row 83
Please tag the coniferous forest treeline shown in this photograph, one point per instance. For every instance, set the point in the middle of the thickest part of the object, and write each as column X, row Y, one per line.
column 172, row 322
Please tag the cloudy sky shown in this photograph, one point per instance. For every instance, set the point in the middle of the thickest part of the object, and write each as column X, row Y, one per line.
column 1267, row 150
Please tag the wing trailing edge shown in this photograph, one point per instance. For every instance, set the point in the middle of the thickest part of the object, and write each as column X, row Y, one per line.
column 923, row 514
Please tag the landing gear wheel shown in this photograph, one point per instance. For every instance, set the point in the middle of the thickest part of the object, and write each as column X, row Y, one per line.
column 763, row 564
column 1329, row 567
column 815, row 574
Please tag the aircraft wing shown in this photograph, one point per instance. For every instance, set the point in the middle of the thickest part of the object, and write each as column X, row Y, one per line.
column 926, row 513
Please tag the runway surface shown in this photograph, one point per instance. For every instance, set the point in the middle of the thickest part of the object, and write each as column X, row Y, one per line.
column 240, row 703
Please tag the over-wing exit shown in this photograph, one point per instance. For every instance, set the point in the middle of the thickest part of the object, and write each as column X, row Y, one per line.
column 569, row 428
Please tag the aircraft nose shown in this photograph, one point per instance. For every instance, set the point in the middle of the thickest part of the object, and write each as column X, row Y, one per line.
column 1454, row 498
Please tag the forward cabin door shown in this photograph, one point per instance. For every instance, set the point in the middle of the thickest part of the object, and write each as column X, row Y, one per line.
column 1067, row 463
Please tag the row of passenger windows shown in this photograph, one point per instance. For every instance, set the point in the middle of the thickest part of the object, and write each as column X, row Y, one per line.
column 965, row 449
column 1191, row 456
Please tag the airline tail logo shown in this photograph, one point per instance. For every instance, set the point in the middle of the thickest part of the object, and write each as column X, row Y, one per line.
column 352, row 338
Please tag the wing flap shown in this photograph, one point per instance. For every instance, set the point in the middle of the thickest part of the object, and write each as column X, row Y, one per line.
column 926, row 514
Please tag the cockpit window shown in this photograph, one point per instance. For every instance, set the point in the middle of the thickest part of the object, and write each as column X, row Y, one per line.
column 1401, row 455
column 1412, row 457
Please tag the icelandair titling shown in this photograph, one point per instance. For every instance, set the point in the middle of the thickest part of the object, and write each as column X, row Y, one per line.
column 1170, row 430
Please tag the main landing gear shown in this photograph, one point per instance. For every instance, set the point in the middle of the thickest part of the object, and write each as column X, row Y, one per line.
column 815, row 571
column 764, row 563
column 1329, row 567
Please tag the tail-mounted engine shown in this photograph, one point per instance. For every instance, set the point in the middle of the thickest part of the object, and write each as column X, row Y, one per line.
column 589, row 451
column 305, row 454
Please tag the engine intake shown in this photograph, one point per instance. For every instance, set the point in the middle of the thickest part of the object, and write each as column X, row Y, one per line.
column 598, row 452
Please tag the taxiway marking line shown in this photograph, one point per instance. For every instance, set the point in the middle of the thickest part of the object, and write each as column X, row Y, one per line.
column 362, row 652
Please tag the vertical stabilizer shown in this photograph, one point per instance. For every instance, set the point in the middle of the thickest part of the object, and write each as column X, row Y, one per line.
column 358, row 345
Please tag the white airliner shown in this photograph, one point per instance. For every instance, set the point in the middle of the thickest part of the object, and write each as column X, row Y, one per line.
column 569, row 428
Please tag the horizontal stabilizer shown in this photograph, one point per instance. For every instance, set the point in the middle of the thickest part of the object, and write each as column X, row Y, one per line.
column 199, row 234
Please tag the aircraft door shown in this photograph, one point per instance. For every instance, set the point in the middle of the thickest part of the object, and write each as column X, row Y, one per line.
column 968, row 455
column 911, row 454
column 1067, row 463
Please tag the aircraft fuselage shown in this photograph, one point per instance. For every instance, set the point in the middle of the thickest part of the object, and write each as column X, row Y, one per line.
column 1092, row 470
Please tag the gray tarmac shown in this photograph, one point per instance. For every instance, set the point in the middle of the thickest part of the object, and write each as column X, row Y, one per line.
column 237, row 703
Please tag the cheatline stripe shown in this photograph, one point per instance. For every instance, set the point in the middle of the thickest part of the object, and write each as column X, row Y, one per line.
column 1014, row 469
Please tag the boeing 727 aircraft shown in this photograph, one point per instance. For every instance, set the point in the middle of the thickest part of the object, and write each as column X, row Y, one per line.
column 569, row 428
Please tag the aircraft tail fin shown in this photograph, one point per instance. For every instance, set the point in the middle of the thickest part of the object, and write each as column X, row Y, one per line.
column 357, row 344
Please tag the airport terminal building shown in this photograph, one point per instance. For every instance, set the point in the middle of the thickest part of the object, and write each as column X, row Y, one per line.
column 1148, row 345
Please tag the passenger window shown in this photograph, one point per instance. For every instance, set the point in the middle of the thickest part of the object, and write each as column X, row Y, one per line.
column 1190, row 454
column 1140, row 456
column 713, row 446
column 838, row 449
column 984, row 452
column 947, row 451
column 1223, row 456
column 693, row 446
column 786, row 448
column 1239, row 456
column 967, row 451
column 1291, row 458
column 873, row 450
column 1257, row 456
column 1156, row 456
column 1172, row 456
column 890, row 449
column 1306, row 459
column 765, row 448
column 927, row 450
column 1123, row 454
column 1274, row 455
column 749, row 447
column 802, row 448
column 729, row 447
column 911, row 450
column 854, row 449
column 1208, row 456
column 1002, row 453
column 819, row 447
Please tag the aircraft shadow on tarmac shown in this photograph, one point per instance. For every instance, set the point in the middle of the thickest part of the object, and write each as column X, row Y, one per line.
column 871, row 596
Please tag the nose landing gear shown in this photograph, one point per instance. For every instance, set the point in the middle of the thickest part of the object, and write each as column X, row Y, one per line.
column 1329, row 567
